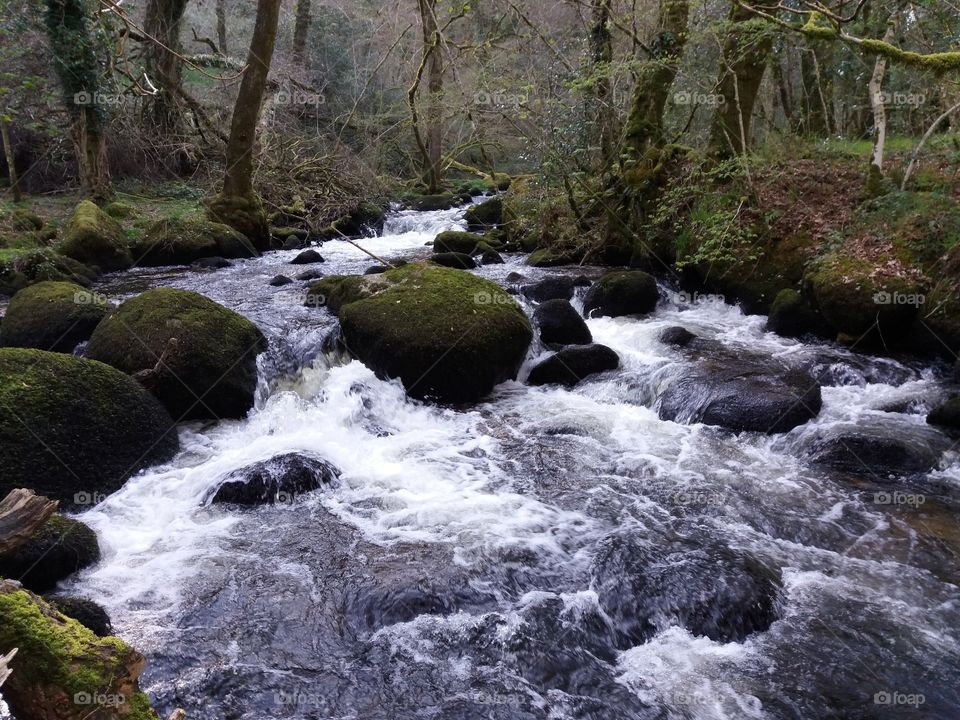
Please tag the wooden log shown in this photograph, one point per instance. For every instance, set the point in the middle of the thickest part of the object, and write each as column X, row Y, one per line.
column 5, row 669
column 22, row 512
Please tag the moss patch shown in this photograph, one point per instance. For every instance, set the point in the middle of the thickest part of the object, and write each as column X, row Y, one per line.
column 94, row 238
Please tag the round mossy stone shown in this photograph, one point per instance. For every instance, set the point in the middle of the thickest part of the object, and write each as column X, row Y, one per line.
column 94, row 238
column 196, row 356
column 58, row 549
column 54, row 316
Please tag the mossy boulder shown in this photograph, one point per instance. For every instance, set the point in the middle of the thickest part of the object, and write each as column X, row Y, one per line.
column 440, row 201
column 94, row 238
column 27, row 268
column 335, row 291
column 245, row 214
column 366, row 218
column 72, row 426
column 486, row 215
column 182, row 241
column 197, row 357
column 455, row 241
column 448, row 335
column 454, row 260
column 54, row 316
column 63, row 670
column 863, row 302
column 792, row 316
column 86, row 612
column 120, row 210
column 25, row 220
column 56, row 551
column 624, row 292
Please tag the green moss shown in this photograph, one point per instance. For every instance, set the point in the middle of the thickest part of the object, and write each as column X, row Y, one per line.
column 486, row 215
column 181, row 241
column 24, row 220
column 456, row 241
column 245, row 214
column 53, row 316
column 335, row 291
column 94, row 238
column 18, row 269
column 121, row 210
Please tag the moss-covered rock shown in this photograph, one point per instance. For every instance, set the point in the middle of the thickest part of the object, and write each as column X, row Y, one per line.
column 245, row 214
column 94, row 238
column 86, row 612
column 335, row 291
column 456, row 241
column 486, row 215
column 792, row 316
column 62, row 670
column 69, row 425
column 440, row 201
column 25, row 220
column 197, row 357
column 56, row 551
column 54, row 316
column 366, row 218
column 454, row 260
column 448, row 335
column 551, row 257
column 120, row 210
column 624, row 292
column 25, row 269
column 182, row 241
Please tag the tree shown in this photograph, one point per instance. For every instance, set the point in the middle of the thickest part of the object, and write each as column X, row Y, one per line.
column 301, row 30
column 162, row 26
column 431, row 63
column 222, row 26
column 601, row 45
column 238, row 205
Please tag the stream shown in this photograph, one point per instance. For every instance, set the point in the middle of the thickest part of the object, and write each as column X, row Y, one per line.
column 548, row 554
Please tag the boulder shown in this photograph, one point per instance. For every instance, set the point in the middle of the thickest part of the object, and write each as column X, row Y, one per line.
column 197, row 357
column 710, row 589
column 280, row 479
column 551, row 288
column 549, row 257
column 441, row 201
column 24, row 220
column 676, row 336
column 946, row 415
column 486, row 215
column 280, row 281
column 448, row 335
column 309, row 275
column 571, row 365
column 212, row 263
column 491, row 257
column 63, row 670
column 86, row 612
column 453, row 260
column 182, row 241
column 454, row 241
column 94, row 238
column 367, row 218
column 561, row 324
column 791, row 316
column 54, row 316
column 35, row 266
column 741, row 397
column 376, row 270
column 307, row 257
column 120, row 210
column 625, row 292
column 71, row 426
column 875, row 453
column 56, row 551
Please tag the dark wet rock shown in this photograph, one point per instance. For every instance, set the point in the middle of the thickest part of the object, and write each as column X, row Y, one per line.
column 491, row 257
column 625, row 292
column 514, row 277
column 460, row 261
column 56, row 551
column 677, row 336
column 792, row 316
column 280, row 281
column 741, row 396
column 307, row 257
column 485, row 215
column 875, row 453
column 571, row 365
column 838, row 368
column 366, row 219
column 310, row 275
column 280, row 479
column 86, row 612
column 561, row 324
column 376, row 270
column 947, row 416
column 455, row 241
column 712, row 590
column 212, row 263
column 55, row 316
column 441, row 201
column 582, row 281
column 552, row 288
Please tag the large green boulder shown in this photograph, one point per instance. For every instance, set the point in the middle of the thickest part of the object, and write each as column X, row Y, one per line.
column 58, row 549
column 62, row 670
column 199, row 358
column 70, row 426
column 448, row 335
column 181, row 241
column 441, row 201
column 54, row 316
column 791, row 316
column 456, row 241
column 623, row 292
column 94, row 238
column 486, row 215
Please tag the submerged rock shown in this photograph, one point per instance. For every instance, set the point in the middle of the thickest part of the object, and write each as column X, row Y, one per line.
column 947, row 416
column 677, row 336
column 71, row 426
column 625, row 292
column 280, row 281
column 571, row 365
column 86, row 612
column 551, row 288
column 561, row 324
column 183, row 241
column 307, row 257
column 196, row 356
column 708, row 588
column 454, row 260
column 55, row 316
column 277, row 480
column 212, row 263
column 94, row 238
column 876, row 453
column 448, row 335
column 742, row 397
column 58, row 549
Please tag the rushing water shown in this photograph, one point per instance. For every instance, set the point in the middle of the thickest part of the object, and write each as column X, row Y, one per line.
column 493, row 562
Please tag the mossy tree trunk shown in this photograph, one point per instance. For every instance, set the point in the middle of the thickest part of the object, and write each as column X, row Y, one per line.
column 162, row 25
column 655, row 77
column 69, row 25
column 238, row 205
column 746, row 45
column 301, row 30
column 430, row 142
column 8, row 155
column 221, row 11
column 601, row 45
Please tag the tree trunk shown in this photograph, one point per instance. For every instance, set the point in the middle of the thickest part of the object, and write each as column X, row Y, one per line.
column 91, row 148
column 11, row 167
column 300, row 31
column 818, row 90
column 655, row 77
column 238, row 205
column 746, row 49
column 162, row 24
column 601, row 43
column 879, row 111
column 433, row 46
column 222, row 26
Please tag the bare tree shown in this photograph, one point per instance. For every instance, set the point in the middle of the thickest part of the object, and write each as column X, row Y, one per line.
column 301, row 30
column 162, row 25
column 431, row 63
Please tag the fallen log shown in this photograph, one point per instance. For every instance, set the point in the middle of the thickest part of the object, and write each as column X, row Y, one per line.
column 22, row 512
